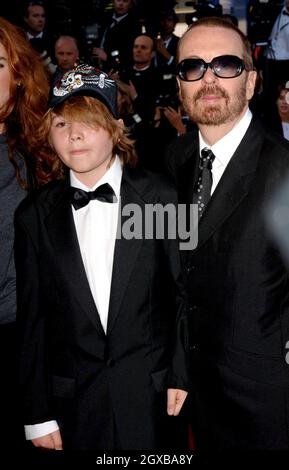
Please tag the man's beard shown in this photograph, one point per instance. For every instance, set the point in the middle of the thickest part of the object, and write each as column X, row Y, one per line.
column 215, row 114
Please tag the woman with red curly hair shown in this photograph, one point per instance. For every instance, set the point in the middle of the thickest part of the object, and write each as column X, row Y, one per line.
column 23, row 165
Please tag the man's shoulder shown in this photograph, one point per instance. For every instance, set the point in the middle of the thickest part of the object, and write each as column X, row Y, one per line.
column 180, row 150
column 276, row 146
column 40, row 199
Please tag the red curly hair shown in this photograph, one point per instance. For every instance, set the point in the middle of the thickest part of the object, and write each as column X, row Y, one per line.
column 24, row 111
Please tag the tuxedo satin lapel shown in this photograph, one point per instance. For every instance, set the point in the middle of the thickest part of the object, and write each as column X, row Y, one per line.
column 61, row 230
column 233, row 186
column 125, row 254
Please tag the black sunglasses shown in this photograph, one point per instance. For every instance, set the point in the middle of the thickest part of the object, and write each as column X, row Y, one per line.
column 223, row 66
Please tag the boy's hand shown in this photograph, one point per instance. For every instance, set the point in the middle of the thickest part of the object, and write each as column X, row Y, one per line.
column 49, row 441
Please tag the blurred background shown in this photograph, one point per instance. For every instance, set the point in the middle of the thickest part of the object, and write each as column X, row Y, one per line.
column 255, row 17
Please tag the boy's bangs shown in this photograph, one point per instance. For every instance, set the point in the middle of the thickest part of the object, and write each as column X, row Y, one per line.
column 85, row 109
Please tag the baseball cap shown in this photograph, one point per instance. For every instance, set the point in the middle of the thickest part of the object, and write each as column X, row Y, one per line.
column 84, row 80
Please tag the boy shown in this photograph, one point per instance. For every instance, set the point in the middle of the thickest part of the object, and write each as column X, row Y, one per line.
column 94, row 310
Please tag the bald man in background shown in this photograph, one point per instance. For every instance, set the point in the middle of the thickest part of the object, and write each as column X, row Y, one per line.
column 66, row 52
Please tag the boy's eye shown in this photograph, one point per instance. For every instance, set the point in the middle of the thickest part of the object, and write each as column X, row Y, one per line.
column 60, row 124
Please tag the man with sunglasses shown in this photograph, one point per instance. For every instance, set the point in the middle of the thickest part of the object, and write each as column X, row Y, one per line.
column 237, row 283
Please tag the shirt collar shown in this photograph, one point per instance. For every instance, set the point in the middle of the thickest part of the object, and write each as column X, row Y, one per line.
column 225, row 148
column 119, row 18
column 112, row 176
column 141, row 69
column 38, row 36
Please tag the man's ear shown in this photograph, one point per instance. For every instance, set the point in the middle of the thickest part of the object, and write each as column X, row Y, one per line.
column 251, row 83
column 179, row 88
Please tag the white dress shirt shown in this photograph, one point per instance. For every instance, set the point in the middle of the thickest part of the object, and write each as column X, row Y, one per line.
column 35, row 36
column 225, row 148
column 96, row 227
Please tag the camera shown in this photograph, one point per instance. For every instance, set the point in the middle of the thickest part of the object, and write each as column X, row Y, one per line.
column 203, row 9
column 115, row 61
column 261, row 17
column 117, row 66
column 165, row 101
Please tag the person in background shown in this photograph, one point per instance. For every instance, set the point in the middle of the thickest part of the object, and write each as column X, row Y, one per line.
column 116, row 39
column 143, row 85
column 34, row 19
column 283, row 109
column 166, row 42
column 278, row 118
column 237, row 283
column 276, row 60
column 66, row 53
column 126, row 111
column 97, row 308
column 23, row 101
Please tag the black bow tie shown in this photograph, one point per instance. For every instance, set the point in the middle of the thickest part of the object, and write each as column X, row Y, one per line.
column 285, row 13
column 80, row 198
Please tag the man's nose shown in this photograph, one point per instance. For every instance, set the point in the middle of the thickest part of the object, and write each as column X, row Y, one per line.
column 209, row 76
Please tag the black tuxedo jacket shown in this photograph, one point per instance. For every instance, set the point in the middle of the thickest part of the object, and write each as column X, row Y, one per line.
column 120, row 37
column 105, row 390
column 238, row 299
column 161, row 62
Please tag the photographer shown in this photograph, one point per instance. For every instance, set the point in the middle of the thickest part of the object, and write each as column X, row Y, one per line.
column 173, row 116
column 117, row 33
column 142, row 82
column 170, row 121
column 142, row 78
column 166, row 41
column 277, row 55
column 34, row 18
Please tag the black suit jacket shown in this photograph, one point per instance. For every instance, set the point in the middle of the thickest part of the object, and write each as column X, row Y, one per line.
column 238, row 299
column 120, row 37
column 105, row 390
column 162, row 63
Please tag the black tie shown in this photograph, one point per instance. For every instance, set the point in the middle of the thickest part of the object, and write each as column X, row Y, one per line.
column 202, row 190
column 285, row 12
column 80, row 198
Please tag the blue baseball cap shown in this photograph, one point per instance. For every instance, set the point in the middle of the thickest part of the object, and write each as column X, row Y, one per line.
column 84, row 80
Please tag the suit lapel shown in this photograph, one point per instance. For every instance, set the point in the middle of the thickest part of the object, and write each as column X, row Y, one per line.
column 61, row 230
column 234, row 184
column 126, row 251
column 231, row 190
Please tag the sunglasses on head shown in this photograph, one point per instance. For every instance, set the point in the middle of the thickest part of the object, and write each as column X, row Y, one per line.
column 223, row 66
